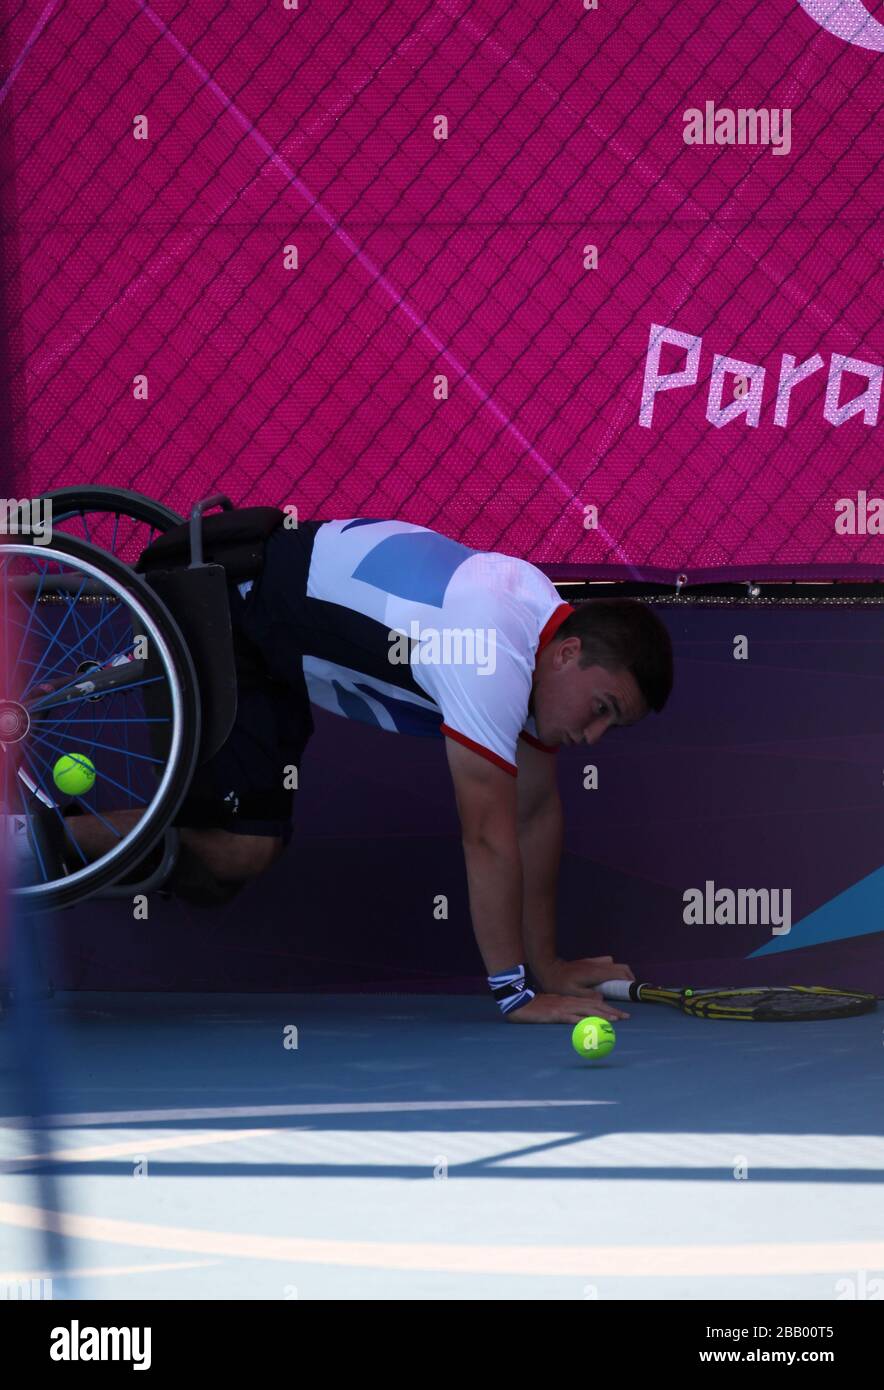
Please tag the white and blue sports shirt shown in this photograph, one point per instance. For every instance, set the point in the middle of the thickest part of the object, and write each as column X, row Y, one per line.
column 464, row 627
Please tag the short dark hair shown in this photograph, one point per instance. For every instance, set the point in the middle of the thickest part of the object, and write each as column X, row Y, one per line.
column 624, row 634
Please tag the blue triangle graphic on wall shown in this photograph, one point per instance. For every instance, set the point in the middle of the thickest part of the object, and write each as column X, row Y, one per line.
column 858, row 911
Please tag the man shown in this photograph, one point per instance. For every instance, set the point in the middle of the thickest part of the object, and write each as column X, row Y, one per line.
column 400, row 627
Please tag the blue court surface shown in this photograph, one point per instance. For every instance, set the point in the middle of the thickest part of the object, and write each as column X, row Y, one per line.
column 421, row 1148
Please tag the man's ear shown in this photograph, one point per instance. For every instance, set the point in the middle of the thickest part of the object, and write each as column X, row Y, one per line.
column 566, row 651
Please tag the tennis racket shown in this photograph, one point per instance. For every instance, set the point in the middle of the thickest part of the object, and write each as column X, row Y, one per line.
column 754, row 1004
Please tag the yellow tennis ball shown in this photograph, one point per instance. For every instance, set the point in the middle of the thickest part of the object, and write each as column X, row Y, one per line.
column 74, row 774
column 593, row 1038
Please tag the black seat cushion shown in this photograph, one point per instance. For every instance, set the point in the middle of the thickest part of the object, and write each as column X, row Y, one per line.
column 234, row 539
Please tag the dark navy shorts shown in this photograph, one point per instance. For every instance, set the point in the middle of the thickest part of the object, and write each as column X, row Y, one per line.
column 241, row 788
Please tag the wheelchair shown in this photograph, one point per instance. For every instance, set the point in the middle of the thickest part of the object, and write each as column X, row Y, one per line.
column 118, row 677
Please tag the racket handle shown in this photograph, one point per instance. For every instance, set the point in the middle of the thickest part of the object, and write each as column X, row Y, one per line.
column 620, row 989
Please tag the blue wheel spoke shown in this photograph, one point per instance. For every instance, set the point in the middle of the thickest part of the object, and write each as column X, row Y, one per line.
column 33, row 613
column 120, row 719
column 112, row 748
column 31, row 610
column 84, row 675
column 54, row 637
column 73, row 650
column 115, row 690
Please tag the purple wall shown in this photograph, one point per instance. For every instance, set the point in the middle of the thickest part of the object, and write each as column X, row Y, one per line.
column 764, row 773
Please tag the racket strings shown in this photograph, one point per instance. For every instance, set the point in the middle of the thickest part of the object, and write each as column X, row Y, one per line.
column 771, row 1004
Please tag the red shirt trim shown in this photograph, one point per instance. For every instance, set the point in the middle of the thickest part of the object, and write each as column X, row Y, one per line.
column 535, row 743
column 550, row 628
column 552, row 625
column 477, row 748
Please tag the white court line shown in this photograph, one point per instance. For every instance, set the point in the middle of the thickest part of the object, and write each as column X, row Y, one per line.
column 24, row 1276
column 511, row 1151
column 613, row 1261
column 238, row 1112
column 135, row 1146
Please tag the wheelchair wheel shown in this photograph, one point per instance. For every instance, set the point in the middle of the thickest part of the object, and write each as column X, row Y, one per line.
column 99, row 719
column 118, row 521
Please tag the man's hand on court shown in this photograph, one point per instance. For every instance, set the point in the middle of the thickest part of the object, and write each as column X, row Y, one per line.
column 579, row 976
column 564, row 1008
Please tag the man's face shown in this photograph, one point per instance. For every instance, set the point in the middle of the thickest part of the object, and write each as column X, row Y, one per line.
column 577, row 704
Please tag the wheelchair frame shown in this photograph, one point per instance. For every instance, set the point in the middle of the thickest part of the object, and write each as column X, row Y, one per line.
column 194, row 606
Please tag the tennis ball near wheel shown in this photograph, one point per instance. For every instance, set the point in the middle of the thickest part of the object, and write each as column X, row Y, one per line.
column 74, row 774
column 593, row 1038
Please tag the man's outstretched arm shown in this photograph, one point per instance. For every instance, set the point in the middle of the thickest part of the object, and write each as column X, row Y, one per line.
column 487, row 802
column 540, row 843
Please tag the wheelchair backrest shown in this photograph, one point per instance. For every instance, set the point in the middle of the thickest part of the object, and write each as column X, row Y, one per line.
column 233, row 539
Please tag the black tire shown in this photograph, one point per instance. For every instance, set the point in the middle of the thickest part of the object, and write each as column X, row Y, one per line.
column 179, row 768
column 70, row 502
